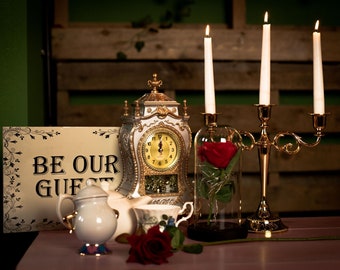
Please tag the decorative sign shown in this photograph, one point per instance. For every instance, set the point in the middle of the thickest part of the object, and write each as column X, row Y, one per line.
column 39, row 163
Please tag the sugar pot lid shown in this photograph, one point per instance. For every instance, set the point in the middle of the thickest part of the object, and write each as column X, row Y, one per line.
column 90, row 191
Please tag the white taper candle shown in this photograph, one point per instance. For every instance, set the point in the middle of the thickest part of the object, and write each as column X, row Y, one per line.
column 209, row 86
column 318, row 87
column 265, row 64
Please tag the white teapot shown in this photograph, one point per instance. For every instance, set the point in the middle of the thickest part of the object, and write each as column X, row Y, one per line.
column 93, row 220
column 127, row 221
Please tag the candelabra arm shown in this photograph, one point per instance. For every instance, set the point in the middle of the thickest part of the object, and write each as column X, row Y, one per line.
column 252, row 140
column 292, row 148
column 319, row 123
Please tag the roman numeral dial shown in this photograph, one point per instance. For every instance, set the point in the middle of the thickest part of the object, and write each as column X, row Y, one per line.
column 161, row 149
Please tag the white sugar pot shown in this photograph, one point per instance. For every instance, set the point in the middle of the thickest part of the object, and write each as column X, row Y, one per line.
column 92, row 219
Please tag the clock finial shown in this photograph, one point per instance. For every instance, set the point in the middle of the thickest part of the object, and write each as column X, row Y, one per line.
column 137, row 109
column 126, row 108
column 154, row 83
column 185, row 107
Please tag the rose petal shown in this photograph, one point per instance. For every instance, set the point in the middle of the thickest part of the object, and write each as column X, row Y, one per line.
column 217, row 154
column 151, row 248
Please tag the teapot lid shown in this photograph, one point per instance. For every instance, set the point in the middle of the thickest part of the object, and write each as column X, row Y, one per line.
column 90, row 191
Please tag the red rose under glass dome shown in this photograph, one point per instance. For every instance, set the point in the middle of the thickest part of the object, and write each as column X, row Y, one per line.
column 217, row 198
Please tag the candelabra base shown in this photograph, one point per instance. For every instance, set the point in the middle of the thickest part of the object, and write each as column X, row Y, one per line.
column 263, row 220
column 262, row 225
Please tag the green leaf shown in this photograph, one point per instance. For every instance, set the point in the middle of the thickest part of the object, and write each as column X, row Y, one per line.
column 193, row 248
column 166, row 20
column 177, row 237
column 225, row 194
column 122, row 238
column 165, row 217
column 233, row 161
column 121, row 56
column 203, row 189
column 177, row 240
column 162, row 223
column 139, row 45
column 143, row 22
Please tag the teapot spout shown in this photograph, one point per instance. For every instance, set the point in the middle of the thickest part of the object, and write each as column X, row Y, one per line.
column 141, row 200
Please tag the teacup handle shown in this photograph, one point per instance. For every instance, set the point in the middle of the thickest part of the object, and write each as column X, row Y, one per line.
column 182, row 211
column 67, row 220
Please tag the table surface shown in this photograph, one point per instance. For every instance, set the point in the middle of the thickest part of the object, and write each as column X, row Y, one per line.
column 59, row 250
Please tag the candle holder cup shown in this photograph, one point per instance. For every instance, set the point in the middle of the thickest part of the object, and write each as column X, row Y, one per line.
column 263, row 219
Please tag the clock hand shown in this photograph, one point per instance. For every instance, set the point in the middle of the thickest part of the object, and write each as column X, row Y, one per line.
column 160, row 146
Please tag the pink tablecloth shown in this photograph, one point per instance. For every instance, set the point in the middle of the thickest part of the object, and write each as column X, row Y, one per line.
column 59, row 250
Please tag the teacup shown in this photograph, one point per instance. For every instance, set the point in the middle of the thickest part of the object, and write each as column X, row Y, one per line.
column 149, row 215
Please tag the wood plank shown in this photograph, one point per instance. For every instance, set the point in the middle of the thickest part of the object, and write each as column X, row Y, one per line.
column 64, row 114
column 61, row 13
column 284, row 118
column 294, row 193
column 242, row 117
column 307, row 160
column 239, row 14
column 189, row 75
column 174, row 44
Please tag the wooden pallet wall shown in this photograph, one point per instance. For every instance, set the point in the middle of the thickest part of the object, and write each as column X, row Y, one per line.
column 85, row 59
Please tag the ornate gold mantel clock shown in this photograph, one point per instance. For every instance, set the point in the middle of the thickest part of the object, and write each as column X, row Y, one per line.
column 155, row 142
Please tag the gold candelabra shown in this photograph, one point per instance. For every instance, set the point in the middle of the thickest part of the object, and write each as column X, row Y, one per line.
column 263, row 220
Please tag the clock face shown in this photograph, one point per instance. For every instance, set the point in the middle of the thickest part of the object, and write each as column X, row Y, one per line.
column 161, row 149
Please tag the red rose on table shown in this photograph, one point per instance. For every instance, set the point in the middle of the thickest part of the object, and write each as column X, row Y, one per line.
column 154, row 247
column 217, row 154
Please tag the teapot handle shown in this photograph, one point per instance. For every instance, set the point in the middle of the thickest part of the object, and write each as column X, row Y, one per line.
column 67, row 220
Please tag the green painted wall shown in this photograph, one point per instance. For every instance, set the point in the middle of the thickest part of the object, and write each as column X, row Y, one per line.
column 36, row 91
column 294, row 12
column 21, row 89
column 192, row 11
column 21, row 78
column 287, row 12
column 13, row 67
